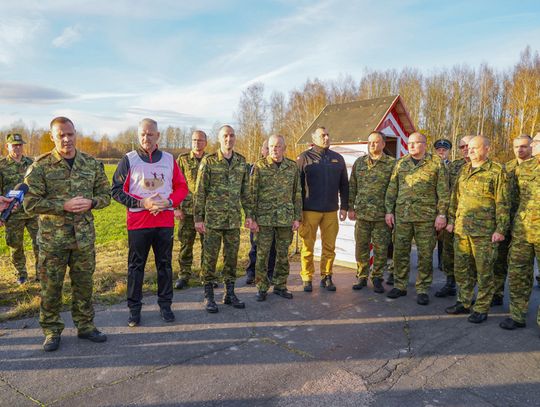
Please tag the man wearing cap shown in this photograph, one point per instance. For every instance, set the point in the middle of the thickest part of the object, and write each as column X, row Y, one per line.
column 442, row 148
column 449, row 288
column 12, row 170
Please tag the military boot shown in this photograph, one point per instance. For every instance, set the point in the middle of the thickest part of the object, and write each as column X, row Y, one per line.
column 230, row 297
column 209, row 303
column 449, row 289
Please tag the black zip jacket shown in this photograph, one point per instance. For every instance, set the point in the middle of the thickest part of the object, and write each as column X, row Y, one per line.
column 323, row 174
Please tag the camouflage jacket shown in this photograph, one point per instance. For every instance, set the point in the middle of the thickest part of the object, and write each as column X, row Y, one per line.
column 367, row 186
column 51, row 183
column 11, row 174
column 510, row 169
column 453, row 171
column 526, row 181
column 221, row 191
column 479, row 204
column 189, row 165
column 276, row 192
column 418, row 193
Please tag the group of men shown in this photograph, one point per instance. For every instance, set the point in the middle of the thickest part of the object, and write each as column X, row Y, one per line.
column 471, row 203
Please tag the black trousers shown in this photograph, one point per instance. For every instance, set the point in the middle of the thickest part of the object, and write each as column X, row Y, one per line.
column 161, row 242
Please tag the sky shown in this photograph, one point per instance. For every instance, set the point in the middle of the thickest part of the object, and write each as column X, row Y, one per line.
column 106, row 64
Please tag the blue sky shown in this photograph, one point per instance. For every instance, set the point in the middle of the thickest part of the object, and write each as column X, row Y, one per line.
column 108, row 63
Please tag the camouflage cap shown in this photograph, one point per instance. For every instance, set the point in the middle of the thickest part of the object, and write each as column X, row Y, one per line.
column 443, row 143
column 14, row 138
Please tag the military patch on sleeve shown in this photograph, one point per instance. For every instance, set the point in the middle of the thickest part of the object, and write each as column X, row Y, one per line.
column 334, row 160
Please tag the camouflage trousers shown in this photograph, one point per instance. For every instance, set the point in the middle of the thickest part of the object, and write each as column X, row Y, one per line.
column 212, row 245
column 14, row 231
column 264, row 239
column 52, row 269
column 500, row 267
column 448, row 253
column 377, row 233
column 424, row 236
column 520, row 277
column 187, row 236
column 474, row 260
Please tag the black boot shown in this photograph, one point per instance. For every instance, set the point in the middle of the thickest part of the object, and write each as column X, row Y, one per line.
column 230, row 297
column 209, row 303
column 449, row 289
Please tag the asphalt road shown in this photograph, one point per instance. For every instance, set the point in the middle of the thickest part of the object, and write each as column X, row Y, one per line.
column 347, row 348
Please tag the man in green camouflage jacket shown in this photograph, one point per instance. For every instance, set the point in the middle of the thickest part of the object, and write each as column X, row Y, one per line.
column 369, row 180
column 64, row 186
column 523, row 152
column 479, row 218
column 277, row 210
column 416, row 203
column 12, row 170
column 525, row 246
column 189, row 165
column 221, row 192
column 449, row 288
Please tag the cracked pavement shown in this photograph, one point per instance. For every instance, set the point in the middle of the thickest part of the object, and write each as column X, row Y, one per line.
column 347, row 348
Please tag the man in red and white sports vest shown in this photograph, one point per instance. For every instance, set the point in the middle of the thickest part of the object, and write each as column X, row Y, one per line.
column 150, row 184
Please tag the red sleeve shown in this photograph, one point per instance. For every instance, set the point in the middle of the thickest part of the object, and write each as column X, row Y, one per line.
column 179, row 186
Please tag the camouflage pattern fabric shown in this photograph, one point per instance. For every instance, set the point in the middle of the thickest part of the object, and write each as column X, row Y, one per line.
column 525, row 244
column 187, row 235
column 277, row 203
column 500, row 267
column 367, row 189
column 448, row 238
column 11, row 174
column 416, row 194
column 222, row 191
column 64, row 238
column 478, row 208
column 189, row 165
column 212, row 245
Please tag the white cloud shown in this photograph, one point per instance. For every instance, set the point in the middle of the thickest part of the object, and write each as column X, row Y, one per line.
column 69, row 36
column 16, row 35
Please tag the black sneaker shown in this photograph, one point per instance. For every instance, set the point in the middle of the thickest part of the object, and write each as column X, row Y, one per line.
column 181, row 283
column 477, row 317
column 308, row 287
column 396, row 293
column 134, row 318
column 166, row 314
column 51, row 343
column 283, row 292
column 260, row 296
column 497, row 300
column 94, row 336
column 390, row 279
column 327, row 283
column 377, row 285
column 456, row 309
column 422, row 299
column 510, row 324
column 362, row 282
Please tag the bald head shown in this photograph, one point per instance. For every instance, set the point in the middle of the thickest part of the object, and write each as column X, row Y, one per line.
column 276, row 147
column 479, row 150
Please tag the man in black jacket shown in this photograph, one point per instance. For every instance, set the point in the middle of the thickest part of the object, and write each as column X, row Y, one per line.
column 323, row 175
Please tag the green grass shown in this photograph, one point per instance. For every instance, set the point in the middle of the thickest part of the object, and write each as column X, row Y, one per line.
column 111, row 266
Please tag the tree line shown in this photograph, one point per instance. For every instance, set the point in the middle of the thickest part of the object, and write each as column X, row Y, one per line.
column 448, row 102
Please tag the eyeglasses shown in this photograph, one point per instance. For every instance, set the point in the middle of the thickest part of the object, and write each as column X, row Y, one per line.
column 463, row 146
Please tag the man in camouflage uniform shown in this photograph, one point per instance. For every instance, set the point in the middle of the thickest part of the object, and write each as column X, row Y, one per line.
column 277, row 210
column 449, row 289
column 12, row 170
column 221, row 191
column 64, row 186
column 416, row 203
column 189, row 165
column 478, row 216
column 522, row 152
column 367, row 187
column 525, row 187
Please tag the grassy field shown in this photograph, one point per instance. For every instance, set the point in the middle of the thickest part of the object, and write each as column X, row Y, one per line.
column 111, row 265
